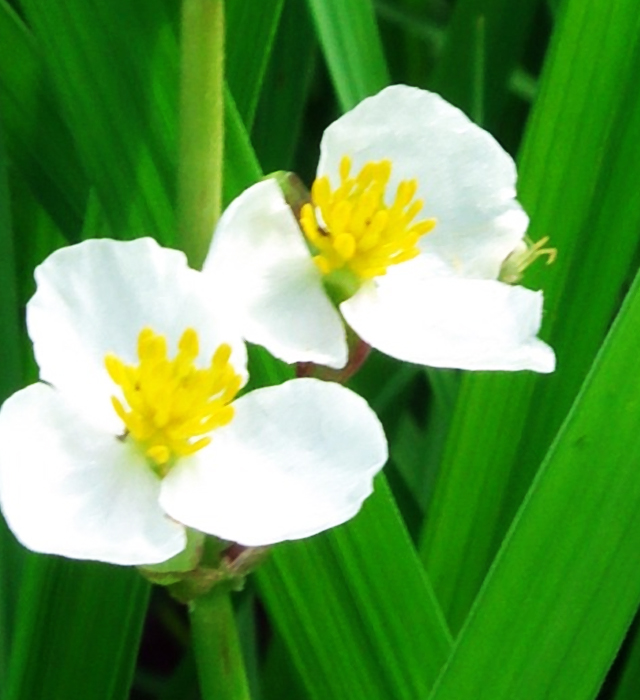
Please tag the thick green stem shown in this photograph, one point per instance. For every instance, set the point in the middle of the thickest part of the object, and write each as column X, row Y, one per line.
column 217, row 647
column 201, row 125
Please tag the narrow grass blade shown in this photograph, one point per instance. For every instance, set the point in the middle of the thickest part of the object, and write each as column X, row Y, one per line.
column 351, row 45
column 251, row 29
column 599, row 210
column 79, row 631
column 11, row 555
column 241, row 167
column 38, row 142
column 10, row 348
column 283, row 99
column 566, row 585
column 355, row 609
column 492, row 33
column 627, row 684
column 115, row 71
column 279, row 677
column 578, row 182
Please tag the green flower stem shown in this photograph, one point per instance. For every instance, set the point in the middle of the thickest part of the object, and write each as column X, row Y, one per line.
column 217, row 647
column 201, row 125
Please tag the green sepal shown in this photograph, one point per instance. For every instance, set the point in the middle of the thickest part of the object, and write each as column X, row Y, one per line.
column 172, row 570
column 204, row 564
column 228, row 575
column 293, row 190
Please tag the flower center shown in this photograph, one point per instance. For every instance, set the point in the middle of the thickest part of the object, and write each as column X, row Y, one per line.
column 172, row 404
column 356, row 229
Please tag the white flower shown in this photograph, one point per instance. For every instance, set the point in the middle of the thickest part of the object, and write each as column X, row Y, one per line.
column 128, row 438
column 422, row 287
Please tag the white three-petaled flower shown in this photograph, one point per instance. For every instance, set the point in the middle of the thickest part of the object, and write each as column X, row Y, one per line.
column 412, row 216
column 129, row 437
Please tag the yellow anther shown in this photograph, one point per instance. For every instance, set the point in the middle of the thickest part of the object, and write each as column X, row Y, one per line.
column 413, row 210
column 115, row 368
column 170, row 406
column 221, row 356
column 352, row 227
column 160, row 454
column 322, row 263
column 366, row 175
column 340, row 216
column 345, row 245
column 189, row 344
column 423, row 227
column 321, row 191
column 406, row 191
column 345, row 167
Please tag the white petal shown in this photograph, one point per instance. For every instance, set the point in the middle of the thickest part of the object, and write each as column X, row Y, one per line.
column 95, row 297
column 296, row 459
column 465, row 178
column 259, row 263
column 67, row 488
column 450, row 322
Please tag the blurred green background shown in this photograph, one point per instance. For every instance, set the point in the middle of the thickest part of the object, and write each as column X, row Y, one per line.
column 499, row 556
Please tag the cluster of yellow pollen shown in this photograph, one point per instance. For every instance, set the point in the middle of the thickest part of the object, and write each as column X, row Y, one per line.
column 357, row 229
column 173, row 405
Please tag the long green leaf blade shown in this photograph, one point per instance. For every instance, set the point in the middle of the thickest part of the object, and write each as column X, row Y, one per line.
column 565, row 587
column 12, row 556
column 487, row 36
column 351, row 44
column 80, row 626
column 283, row 99
column 578, row 181
column 251, row 29
column 357, row 613
column 38, row 141
column 115, row 71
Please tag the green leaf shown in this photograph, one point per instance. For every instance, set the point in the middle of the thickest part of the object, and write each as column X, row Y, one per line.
column 241, row 167
column 279, row 677
column 10, row 359
column 266, row 370
column 426, row 450
column 566, row 585
column 285, row 89
column 628, row 683
column 251, row 28
column 12, row 557
column 115, row 71
column 485, row 41
column 578, row 182
column 38, row 142
column 355, row 609
column 351, row 45
column 80, row 626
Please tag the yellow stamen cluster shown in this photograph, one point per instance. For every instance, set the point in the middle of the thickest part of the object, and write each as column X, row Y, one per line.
column 357, row 229
column 172, row 404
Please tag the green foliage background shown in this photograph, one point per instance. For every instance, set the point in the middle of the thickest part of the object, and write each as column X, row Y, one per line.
column 499, row 557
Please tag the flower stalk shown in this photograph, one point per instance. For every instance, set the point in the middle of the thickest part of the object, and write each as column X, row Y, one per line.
column 201, row 126
column 217, row 647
